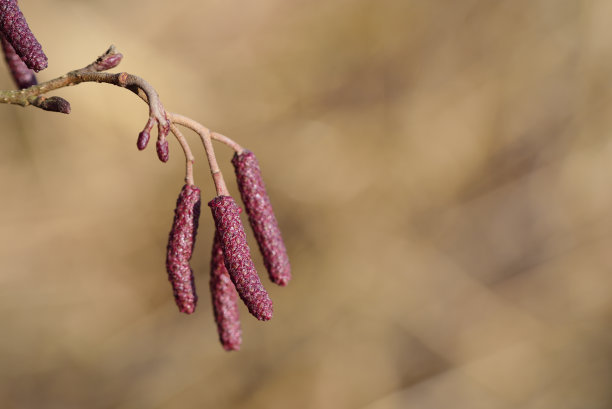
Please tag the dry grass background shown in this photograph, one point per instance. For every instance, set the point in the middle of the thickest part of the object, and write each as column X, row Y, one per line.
column 440, row 170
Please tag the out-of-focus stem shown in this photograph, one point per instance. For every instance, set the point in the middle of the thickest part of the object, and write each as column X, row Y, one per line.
column 204, row 133
column 200, row 129
column 189, row 159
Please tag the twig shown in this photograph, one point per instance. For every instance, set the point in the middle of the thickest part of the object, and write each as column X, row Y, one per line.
column 157, row 114
column 189, row 159
column 205, row 135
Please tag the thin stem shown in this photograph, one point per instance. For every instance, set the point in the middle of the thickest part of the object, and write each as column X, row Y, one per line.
column 205, row 135
column 200, row 129
column 229, row 142
column 164, row 119
column 189, row 159
column 92, row 73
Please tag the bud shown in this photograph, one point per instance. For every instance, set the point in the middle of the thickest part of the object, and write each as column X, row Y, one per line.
column 261, row 217
column 22, row 75
column 238, row 257
column 224, row 300
column 145, row 135
column 162, row 149
column 109, row 60
column 15, row 28
column 53, row 104
column 180, row 246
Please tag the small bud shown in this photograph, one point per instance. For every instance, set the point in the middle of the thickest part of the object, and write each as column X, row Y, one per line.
column 180, row 247
column 143, row 139
column 238, row 257
column 261, row 217
column 145, row 135
column 54, row 104
column 22, row 75
column 108, row 60
column 224, row 300
column 15, row 28
column 162, row 149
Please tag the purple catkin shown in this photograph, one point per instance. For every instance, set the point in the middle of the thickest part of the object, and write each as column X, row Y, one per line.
column 237, row 256
column 261, row 217
column 224, row 300
column 22, row 75
column 180, row 246
column 15, row 28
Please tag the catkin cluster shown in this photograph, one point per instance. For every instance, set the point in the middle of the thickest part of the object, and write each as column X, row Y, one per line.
column 232, row 271
column 23, row 53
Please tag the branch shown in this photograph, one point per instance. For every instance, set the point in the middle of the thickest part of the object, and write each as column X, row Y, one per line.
column 33, row 96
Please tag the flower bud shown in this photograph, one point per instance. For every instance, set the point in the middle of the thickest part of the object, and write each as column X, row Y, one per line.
column 108, row 61
column 145, row 135
column 162, row 149
column 53, row 104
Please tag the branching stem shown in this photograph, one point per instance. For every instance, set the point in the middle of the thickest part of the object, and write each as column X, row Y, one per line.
column 204, row 133
column 189, row 159
column 166, row 121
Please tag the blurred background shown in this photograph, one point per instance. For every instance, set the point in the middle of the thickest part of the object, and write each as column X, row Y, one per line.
column 440, row 171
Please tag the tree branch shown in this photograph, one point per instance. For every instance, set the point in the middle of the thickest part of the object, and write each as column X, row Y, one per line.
column 33, row 96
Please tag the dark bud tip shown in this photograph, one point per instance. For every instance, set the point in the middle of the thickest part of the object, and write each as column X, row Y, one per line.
column 54, row 104
column 108, row 61
column 162, row 150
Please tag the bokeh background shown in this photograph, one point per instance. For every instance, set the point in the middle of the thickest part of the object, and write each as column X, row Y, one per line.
column 440, row 170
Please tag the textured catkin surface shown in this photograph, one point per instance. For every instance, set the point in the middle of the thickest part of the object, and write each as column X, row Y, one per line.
column 238, row 257
column 224, row 299
column 15, row 28
column 261, row 217
column 180, row 248
column 22, row 75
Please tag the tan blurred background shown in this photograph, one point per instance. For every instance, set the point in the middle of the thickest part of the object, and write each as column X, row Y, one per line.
column 440, row 170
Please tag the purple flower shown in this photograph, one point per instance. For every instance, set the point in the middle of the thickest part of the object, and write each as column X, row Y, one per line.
column 180, row 246
column 15, row 28
column 261, row 217
column 238, row 257
column 22, row 75
column 224, row 300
